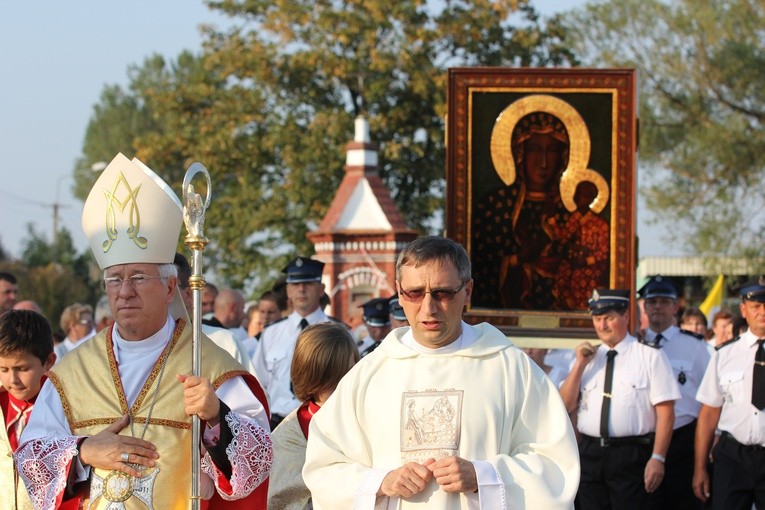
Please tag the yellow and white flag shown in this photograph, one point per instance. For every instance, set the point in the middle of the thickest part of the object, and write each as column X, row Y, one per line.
column 713, row 302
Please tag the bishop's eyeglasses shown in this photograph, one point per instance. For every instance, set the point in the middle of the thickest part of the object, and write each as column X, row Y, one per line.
column 136, row 282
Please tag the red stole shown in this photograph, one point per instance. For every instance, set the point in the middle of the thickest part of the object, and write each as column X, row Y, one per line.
column 16, row 413
column 305, row 413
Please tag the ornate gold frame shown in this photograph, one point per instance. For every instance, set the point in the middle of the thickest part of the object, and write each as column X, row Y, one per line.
column 598, row 109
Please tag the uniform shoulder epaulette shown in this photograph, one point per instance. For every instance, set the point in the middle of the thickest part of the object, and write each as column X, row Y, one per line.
column 648, row 344
column 277, row 321
column 697, row 336
column 718, row 347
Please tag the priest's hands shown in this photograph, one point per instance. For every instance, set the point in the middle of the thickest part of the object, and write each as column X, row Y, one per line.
column 199, row 398
column 109, row 450
column 453, row 474
column 406, row 481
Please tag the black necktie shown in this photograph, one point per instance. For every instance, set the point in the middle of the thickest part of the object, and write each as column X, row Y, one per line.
column 758, row 377
column 303, row 324
column 658, row 339
column 606, row 407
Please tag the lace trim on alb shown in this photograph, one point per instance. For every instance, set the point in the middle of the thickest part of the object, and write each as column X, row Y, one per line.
column 42, row 463
column 250, row 453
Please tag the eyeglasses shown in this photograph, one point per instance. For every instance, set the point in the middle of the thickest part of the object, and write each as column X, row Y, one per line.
column 440, row 295
column 137, row 281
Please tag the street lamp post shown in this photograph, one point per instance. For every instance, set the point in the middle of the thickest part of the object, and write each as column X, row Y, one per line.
column 96, row 167
column 56, row 206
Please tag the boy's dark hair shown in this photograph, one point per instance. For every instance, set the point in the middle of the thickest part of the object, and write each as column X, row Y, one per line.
column 25, row 331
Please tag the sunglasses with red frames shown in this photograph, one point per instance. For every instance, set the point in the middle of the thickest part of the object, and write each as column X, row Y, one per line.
column 416, row 296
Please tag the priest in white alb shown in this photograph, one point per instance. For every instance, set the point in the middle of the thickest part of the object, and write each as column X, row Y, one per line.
column 442, row 414
column 111, row 428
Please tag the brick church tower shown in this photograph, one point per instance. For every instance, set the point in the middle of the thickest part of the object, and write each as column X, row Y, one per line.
column 362, row 233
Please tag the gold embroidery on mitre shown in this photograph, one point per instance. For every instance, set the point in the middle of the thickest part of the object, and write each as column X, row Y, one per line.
column 134, row 214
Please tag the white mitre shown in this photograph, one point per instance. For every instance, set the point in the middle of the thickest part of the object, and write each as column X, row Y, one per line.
column 131, row 216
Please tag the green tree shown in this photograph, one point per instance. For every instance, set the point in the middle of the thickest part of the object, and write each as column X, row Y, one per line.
column 36, row 251
column 54, row 275
column 702, row 87
column 269, row 106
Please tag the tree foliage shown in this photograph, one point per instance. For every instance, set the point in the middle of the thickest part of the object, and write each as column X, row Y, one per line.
column 702, row 75
column 52, row 274
column 269, row 105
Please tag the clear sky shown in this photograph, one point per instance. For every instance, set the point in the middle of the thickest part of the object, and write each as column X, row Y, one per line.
column 55, row 58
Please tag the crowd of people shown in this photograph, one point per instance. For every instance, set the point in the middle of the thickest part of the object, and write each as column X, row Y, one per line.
column 422, row 410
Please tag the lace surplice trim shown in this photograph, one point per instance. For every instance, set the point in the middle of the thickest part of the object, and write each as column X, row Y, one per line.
column 250, row 453
column 42, row 463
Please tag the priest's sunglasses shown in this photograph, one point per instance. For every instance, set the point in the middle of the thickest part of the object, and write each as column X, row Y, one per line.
column 440, row 295
column 136, row 282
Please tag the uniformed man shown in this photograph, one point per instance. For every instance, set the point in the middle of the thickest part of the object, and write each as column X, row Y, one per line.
column 397, row 315
column 732, row 394
column 377, row 321
column 273, row 356
column 689, row 357
column 625, row 393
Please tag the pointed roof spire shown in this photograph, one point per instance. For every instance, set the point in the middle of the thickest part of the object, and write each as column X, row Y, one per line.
column 361, row 152
column 362, row 202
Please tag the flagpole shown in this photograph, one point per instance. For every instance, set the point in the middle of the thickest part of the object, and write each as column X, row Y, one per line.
column 194, row 218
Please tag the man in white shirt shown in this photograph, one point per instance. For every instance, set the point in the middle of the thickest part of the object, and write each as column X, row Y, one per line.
column 689, row 356
column 442, row 414
column 624, row 393
column 273, row 356
column 732, row 395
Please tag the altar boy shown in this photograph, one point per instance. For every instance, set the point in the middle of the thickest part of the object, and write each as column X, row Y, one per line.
column 26, row 354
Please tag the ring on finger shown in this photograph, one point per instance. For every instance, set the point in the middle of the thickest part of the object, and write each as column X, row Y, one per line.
column 125, row 457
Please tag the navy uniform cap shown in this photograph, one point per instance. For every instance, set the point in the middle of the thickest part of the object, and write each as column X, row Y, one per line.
column 658, row 286
column 396, row 310
column 377, row 312
column 753, row 290
column 605, row 300
column 303, row 270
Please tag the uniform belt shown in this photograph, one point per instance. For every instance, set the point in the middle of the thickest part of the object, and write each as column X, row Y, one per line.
column 749, row 447
column 621, row 441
